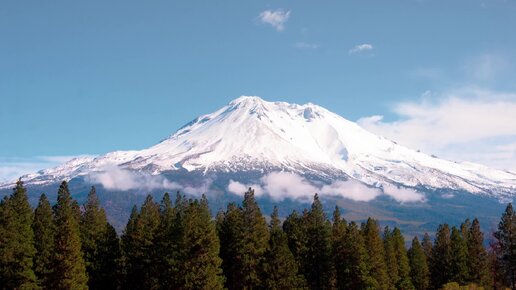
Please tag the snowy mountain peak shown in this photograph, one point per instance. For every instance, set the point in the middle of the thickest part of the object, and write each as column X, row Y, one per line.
column 251, row 134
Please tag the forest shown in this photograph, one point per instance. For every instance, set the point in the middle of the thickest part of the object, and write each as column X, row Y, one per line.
column 179, row 244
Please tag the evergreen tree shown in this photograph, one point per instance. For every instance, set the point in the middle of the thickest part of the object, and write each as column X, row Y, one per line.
column 69, row 270
column 440, row 263
column 255, row 241
column 391, row 259
column 17, row 241
column 375, row 248
column 318, row 269
column 280, row 269
column 478, row 262
column 200, row 263
column 427, row 247
column 339, row 229
column 43, row 228
column 403, row 264
column 93, row 233
column 506, row 237
column 295, row 228
column 355, row 268
column 419, row 271
column 230, row 227
column 167, row 243
column 110, row 255
column 139, row 247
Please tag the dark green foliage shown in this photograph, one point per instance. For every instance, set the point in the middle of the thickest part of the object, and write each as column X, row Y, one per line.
column 69, row 270
column 404, row 282
column 138, row 247
column 43, row 228
column 355, row 268
column 391, row 260
column 110, row 256
column 440, row 263
column 339, row 232
column 93, row 235
column 199, row 244
column 17, row 241
column 478, row 262
column 280, row 269
column 506, row 248
column 427, row 246
column 230, row 227
column 318, row 268
column 295, row 228
column 419, row 271
column 376, row 259
column 459, row 257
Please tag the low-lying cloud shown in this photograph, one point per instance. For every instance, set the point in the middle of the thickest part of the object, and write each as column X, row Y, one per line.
column 116, row 178
column 284, row 185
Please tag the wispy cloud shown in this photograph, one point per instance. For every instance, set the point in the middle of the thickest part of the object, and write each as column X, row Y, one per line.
column 285, row 185
column 306, row 45
column 361, row 48
column 12, row 168
column 276, row 18
column 465, row 125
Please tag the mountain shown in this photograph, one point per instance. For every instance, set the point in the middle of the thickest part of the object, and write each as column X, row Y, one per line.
column 287, row 152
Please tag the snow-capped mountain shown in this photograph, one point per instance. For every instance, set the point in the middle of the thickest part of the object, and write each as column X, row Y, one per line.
column 250, row 134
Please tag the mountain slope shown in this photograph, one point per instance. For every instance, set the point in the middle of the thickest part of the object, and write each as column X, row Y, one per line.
column 250, row 134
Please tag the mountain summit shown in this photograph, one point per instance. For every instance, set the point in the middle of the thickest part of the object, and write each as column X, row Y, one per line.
column 253, row 135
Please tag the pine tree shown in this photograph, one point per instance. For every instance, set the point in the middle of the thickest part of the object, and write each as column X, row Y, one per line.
column 478, row 262
column 427, row 246
column 110, row 255
column 139, row 247
column 419, row 271
column 355, row 265
column 339, row 231
column 506, row 237
column 374, row 246
column 200, row 263
column 440, row 263
column 230, row 227
column 459, row 258
column 167, row 243
column 255, row 241
column 17, row 241
column 404, row 282
column 318, row 269
column 69, row 270
column 391, row 259
column 280, row 269
column 43, row 227
column 93, row 232
column 295, row 228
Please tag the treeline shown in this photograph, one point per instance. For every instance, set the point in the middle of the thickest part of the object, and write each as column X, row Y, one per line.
column 177, row 245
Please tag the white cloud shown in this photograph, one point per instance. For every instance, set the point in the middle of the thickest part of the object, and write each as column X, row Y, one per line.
column 467, row 125
column 285, row 185
column 361, row 48
column 238, row 188
column 12, row 168
column 115, row 178
column 306, row 45
column 276, row 18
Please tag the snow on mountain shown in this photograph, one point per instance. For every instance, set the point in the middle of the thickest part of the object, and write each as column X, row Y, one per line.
column 252, row 134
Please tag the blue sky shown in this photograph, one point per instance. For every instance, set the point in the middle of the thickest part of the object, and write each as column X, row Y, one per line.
column 89, row 77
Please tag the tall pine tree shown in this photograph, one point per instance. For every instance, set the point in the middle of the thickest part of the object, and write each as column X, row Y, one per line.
column 318, row 269
column 419, row 272
column 404, row 282
column 339, row 232
column 440, row 263
column 355, row 267
column 43, row 227
column 375, row 248
column 478, row 262
column 17, row 241
column 506, row 237
column 280, row 269
column 69, row 270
